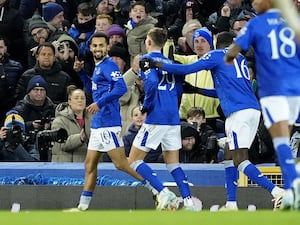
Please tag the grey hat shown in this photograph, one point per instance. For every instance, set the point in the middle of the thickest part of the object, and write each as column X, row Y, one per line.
column 36, row 22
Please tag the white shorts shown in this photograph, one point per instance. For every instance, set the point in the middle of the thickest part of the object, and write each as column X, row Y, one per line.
column 280, row 108
column 105, row 139
column 241, row 128
column 150, row 136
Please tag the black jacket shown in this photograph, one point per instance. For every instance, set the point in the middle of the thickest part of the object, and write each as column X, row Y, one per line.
column 57, row 82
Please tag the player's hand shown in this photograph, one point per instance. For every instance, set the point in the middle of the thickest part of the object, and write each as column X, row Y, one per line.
column 147, row 63
column 93, row 108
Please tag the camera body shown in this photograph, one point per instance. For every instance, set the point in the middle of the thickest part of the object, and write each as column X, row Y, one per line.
column 14, row 136
column 45, row 138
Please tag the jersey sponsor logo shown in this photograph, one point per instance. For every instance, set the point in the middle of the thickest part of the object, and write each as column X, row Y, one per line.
column 116, row 75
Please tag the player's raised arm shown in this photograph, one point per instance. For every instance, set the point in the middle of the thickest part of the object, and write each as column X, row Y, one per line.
column 232, row 52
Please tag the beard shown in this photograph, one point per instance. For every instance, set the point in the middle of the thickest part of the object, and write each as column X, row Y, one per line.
column 99, row 55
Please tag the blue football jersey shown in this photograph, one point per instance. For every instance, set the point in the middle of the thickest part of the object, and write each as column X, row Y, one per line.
column 232, row 82
column 107, row 87
column 276, row 54
column 161, row 94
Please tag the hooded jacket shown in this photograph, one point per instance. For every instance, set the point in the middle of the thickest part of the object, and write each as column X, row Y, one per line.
column 72, row 150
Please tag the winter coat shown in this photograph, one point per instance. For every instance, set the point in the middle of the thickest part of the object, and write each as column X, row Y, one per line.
column 136, row 36
column 57, row 81
column 73, row 150
column 129, row 100
column 30, row 112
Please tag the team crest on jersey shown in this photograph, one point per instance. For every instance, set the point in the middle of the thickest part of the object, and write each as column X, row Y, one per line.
column 206, row 56
column 97, row 70
column 116, row 75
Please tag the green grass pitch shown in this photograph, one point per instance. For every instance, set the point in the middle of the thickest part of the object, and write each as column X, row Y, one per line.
column 149, row 217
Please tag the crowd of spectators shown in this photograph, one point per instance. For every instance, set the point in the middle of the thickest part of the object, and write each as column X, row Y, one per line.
column 41, row 39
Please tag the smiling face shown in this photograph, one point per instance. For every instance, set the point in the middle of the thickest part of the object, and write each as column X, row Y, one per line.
column 137, row 117
column 99, row 48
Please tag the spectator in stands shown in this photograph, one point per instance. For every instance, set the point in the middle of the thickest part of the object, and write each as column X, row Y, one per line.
column 39, row 32
column 105, row 7
column 53, row 14
column 120, row 55
column 10, row 72
column 137, row 27
column 11, row 136
column 50, row 70
column 11, row 28
column 190, row 152
column 207, row 137
column 223, row 19
column 37, row 111
column 185, row 43
column 83, row 26
column 103, row 22
column 66, row 52
column 133, row 97
column 73, row 117
column 116, row 34
column 237, row 25
column 111, row 8
column 188, row 10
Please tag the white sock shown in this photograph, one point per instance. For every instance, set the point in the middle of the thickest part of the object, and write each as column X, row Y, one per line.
column 277, row 191
column 84, row 202
column 231, row 204
column 188, row 201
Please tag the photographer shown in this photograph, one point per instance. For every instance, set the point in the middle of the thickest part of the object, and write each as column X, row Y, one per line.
column 36, row 108
column 11, row 140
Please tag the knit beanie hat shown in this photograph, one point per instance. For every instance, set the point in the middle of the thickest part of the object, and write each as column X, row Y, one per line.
column 97, row 2
column 36, row 22
column 119, row 50
column 50, row 10
column 12, row 116
column 115, row 29
column 205, row 33
column 187, row 130
column 36, row 81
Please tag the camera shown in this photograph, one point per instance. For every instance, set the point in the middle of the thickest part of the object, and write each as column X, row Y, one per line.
column 14, row 136
column 44, row 139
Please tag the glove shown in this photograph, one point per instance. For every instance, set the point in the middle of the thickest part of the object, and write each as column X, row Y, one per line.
column 147, row 63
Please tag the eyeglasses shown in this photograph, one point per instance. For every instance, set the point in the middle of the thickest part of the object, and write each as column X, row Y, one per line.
column 237, row 29
column 38, row 32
